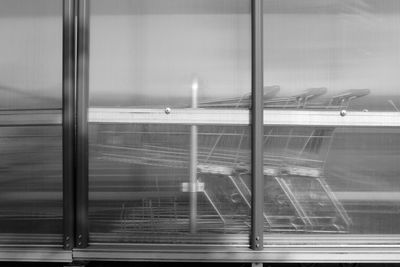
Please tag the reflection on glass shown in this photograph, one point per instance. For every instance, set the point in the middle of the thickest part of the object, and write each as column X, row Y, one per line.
column 149, row 56
column 31, row 155
column 332, row 55
column 298, row 197
column 327, row 180
column 31, row 184
column 169, row 183
column 140, row 190
column 350, row 48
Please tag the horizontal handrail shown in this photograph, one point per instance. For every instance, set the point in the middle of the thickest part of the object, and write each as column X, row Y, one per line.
column 233, row 117
column 222, row 117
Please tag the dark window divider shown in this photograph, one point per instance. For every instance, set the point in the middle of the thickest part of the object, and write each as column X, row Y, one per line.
column 257, row 122
column 68, row 122
column 82, row 102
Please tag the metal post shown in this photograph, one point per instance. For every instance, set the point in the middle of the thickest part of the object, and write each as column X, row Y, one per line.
column 82, row 96
column 193, row 163
column 68, row 121
column 257, row 211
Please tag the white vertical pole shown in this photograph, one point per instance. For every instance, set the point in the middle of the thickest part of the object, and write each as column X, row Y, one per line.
column 193, row 162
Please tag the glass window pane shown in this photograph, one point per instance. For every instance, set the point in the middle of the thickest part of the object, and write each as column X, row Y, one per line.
column 31, row 90
column 186, row 58
column 331, row 56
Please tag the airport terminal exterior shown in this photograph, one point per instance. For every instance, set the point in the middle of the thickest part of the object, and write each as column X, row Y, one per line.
column 238, row 131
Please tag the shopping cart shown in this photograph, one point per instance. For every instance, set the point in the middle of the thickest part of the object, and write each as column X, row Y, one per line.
column 298, row 197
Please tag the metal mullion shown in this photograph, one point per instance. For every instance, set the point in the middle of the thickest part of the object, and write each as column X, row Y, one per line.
column 68, row 121
column 257, row 113
column 82, row 96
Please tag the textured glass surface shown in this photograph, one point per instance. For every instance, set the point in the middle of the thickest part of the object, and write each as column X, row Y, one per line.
column 150, row 56
column 31, row 184
column 332, row 180
column 138, row 175
column 31, row 155
column 347, row 51
column 175, row 56
column 323, row 56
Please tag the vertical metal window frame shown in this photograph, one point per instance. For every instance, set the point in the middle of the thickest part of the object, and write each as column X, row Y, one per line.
column 257, row 122
column 82, row 102
column 68, row 122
